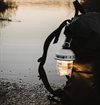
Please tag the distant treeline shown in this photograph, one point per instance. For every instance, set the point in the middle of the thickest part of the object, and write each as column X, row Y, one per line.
column 4, row 4
column 7, row 7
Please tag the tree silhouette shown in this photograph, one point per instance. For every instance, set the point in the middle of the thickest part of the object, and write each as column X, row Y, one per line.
column 7, row 9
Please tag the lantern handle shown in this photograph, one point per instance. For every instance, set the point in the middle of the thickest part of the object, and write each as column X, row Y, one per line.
column 42, row 74
column 78, row 8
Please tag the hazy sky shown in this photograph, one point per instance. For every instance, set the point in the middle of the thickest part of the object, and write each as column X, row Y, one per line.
column 48, row 2
column 61, row 1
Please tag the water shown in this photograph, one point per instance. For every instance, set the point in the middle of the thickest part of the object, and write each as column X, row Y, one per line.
column 21, row 43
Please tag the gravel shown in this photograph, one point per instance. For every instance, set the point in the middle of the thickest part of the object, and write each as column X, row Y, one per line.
column 20, row 93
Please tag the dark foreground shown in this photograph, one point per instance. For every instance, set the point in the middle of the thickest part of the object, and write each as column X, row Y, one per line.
column 20, row 93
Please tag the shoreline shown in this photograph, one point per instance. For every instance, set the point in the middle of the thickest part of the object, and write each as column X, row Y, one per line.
column 15, row 93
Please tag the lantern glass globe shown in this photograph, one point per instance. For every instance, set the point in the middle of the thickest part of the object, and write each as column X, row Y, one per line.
column 65, row 58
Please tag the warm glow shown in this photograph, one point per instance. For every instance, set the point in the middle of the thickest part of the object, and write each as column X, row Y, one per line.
column 64, row 67
column 82, row 67
column 85, row 70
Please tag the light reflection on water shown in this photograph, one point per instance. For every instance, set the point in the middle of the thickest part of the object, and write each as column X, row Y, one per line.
column 21, row 43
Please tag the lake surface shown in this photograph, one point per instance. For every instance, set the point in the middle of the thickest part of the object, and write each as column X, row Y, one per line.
column 21, row 43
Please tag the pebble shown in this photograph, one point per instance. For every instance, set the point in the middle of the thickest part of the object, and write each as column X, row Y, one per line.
column 23, row 94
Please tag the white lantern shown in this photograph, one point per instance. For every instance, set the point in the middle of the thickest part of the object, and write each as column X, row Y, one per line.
column 65, row 58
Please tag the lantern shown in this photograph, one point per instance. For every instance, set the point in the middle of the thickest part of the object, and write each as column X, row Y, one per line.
column 65, row 58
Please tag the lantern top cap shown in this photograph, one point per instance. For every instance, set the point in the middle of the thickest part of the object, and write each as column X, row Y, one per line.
column 65, row 55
